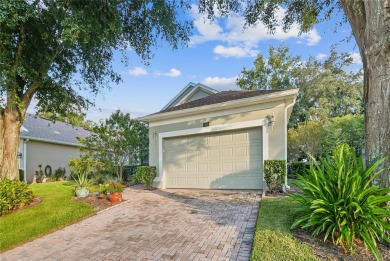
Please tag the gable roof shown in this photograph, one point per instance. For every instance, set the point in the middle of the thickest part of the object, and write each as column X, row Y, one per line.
column 220, row 101
column 42, row 129
column 187, row 93
column 219, row 98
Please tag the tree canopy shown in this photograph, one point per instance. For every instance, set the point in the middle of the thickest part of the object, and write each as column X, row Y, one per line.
column 117, row 142
column 56, row 51
column 326, row 88
column 45, row 44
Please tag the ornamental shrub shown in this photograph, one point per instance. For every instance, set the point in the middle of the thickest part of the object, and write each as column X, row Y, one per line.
column 112, row 187
column 338, row 198
column 145, row 175
column 274, row 174
column 14, row 194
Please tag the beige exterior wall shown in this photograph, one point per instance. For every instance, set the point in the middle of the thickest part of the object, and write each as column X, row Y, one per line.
column 277, row 133
column 54, row 155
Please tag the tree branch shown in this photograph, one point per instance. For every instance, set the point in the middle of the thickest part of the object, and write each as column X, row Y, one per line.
column 27, row 96
column 19, row 49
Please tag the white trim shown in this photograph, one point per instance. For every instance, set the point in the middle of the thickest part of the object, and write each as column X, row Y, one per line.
column 275, row 96
column 211, row 129
column 286, row 119
column 51, row 141
column 192, row 92
column 25, row 159
column 193, row 87
column 215, row 114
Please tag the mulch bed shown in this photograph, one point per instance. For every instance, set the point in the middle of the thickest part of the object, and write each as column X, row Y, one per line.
column 97, row 203
column 327, row 251
column 35, row 202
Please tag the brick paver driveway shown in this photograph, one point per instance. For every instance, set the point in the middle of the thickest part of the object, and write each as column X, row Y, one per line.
column 156, row 225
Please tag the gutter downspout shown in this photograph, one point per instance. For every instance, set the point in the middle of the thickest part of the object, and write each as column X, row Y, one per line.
column 25, row 159
column 285, row 144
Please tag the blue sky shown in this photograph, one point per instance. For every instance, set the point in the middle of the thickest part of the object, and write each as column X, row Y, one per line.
column 217, row 53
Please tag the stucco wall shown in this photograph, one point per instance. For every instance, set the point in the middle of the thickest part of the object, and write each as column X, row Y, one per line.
column 277, row 134
column 54, row 155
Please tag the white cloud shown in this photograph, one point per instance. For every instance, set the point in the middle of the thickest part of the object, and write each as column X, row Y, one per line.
column 232, row 31
column 221, row 82
column 173, row 73
column 137, row 71
column 321, row 56
column 311, row 37
column 234, row 51
column 356, row 59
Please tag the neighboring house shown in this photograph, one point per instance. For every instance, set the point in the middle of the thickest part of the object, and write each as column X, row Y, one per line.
column 219, row 140
column 47, row 143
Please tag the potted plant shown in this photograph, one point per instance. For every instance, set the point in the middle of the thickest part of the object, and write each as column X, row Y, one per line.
column 80, row 169
column 82, row 181
column 114, row 189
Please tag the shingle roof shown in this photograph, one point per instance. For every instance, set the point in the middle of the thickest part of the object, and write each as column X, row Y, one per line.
column 42, row 128
column 219, row 98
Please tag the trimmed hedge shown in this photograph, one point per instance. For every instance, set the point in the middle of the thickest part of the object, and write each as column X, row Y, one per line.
column 275, row 174
column 145, row 175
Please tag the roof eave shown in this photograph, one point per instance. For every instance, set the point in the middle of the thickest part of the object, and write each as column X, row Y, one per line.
column 50, row 141
column 223, row 105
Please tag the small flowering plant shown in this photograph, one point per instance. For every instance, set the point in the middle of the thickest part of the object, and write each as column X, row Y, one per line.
column 112, row 187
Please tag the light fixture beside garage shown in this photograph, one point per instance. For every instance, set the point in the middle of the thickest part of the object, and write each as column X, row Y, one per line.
column 155, row 136
column 270, row 119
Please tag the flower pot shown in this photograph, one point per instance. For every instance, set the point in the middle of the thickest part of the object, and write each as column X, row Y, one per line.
column 82, row 192
column 115, row 197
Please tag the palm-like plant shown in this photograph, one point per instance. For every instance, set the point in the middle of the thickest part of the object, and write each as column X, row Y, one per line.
column 338, row 198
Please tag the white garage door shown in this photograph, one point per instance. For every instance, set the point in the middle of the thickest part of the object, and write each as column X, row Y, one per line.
column 222, row 160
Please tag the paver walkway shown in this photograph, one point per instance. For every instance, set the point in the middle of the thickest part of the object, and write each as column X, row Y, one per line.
column 156, row 225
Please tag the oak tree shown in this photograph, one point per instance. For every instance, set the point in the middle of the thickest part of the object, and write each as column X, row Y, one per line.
column 51, row 50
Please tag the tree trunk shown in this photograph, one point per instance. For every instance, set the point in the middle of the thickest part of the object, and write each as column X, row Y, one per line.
column 10, row 123
column 370, row 22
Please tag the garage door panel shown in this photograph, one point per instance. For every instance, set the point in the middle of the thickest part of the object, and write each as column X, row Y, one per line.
column 214, row 154
column 227, row 160
column 226, row 138
column 214, row 167
column 227, row 152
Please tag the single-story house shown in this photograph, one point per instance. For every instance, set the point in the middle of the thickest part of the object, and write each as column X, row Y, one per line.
column 218, row 140
column 47, row 143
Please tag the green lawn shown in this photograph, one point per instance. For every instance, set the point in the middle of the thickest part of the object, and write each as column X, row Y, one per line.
column 56, row 210
column 273, row 240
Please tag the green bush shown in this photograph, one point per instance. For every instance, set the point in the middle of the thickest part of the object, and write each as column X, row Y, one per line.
column 14, row 194
column 339, row 200
column 59, row 173
column 296, row 168
column 21, row 174
column 112, row 187
column 145, row 175
column 103, row 177
column 275, row 174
